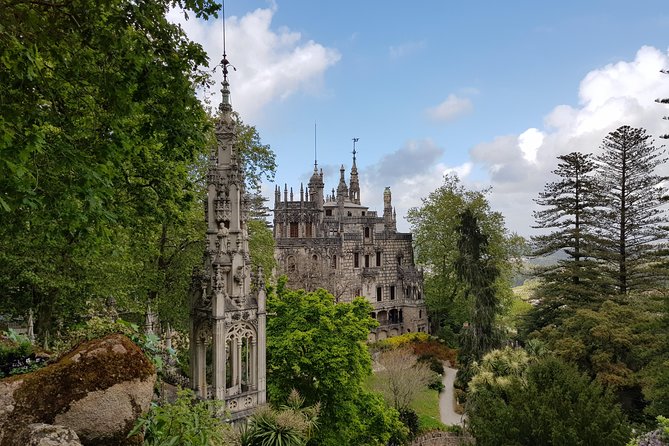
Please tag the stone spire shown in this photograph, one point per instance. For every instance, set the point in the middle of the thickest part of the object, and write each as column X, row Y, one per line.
column 342, row 189
column 354, row 191
column 316, row 187
column 388, row 218
column 225, row 313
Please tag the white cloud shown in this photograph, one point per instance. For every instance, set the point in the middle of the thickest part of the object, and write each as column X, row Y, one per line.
column 271, row 63
column 405, row 49
column 451, row 108
column 529, row 141
column 617, row 94
column 411, row 172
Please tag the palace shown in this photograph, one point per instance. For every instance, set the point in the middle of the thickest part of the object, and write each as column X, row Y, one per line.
column 336, row 243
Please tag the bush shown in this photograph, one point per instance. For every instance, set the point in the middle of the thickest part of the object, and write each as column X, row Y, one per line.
column 551, row 403
column 409, row 417
column 17, row 355
column 186, row 422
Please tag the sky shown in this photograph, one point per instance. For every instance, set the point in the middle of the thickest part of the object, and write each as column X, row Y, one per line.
column 491, row 91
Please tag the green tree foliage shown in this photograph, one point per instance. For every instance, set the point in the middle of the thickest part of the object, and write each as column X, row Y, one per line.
column 633, row 196
column 317, row 347
column 103, row 147
column 434, row 225
column 623, row 346
column 477, row 270
column 545, row 402
column 100, row 124
column 261, row 246
column 570, row 209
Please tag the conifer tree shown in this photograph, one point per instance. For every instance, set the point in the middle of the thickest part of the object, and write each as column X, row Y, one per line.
column 570, row 209
column 633, row 194
column 476, row 269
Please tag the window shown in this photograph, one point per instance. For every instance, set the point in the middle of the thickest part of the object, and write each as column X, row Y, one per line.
column 334, row 262
column 399, row 259
column 392, row 292
column 294, row 230
column 314, row 258
column 420, row 314
column 358, row 292
column 356, row 260
column 308, row 228
column 363, row 213
column 367, row 232
column 328, row 212
column 378, row 258
column 291, row 264
column 349, row 213
column 366, row 260
column 379, row 293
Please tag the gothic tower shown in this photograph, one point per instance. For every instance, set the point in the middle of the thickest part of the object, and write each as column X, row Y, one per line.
column 227, row 313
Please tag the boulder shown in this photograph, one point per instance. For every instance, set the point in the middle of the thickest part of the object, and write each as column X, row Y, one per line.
column 40, row 434
column 98, row 390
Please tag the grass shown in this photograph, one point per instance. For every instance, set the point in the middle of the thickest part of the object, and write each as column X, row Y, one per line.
column 426, row 406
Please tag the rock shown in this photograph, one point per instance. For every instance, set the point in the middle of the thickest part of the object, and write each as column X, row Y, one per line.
column 98, row 390
column 40, row 434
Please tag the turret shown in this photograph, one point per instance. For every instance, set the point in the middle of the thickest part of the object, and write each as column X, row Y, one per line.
column 342, row 189
column 316, row 187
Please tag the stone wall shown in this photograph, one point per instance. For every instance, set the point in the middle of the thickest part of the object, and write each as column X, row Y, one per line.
column 439, row 438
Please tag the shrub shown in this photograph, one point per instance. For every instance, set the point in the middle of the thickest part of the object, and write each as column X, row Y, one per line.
column 186, row 422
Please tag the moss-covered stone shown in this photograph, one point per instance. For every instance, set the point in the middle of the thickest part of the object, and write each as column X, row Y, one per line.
column 98, row 390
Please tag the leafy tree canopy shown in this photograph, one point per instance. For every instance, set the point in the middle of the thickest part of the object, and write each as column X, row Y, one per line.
column 318, row 348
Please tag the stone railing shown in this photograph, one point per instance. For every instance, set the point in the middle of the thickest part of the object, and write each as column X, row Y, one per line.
column 440, row 438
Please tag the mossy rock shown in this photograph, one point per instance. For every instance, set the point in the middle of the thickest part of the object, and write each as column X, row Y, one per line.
column 98, row 390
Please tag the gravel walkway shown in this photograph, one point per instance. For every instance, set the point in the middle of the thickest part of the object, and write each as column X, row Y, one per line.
column 446, row 401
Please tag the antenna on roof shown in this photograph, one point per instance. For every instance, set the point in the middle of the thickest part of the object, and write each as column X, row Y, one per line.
column 315, row 152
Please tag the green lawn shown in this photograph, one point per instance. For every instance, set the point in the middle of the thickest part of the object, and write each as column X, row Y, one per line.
column 426, row 406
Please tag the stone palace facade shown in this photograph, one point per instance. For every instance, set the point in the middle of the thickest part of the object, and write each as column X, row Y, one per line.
column 336, row 243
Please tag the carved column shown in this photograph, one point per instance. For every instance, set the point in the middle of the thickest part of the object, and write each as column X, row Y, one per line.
column 201, row 370
column 219, row 359
column 253, row 352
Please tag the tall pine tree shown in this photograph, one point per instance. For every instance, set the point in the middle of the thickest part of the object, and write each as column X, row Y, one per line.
column 570, row 209
column 631, row 227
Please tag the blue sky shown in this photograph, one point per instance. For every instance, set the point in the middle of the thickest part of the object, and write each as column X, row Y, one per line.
column 493, row 91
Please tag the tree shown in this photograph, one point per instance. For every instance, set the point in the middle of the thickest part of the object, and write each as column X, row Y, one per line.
column 434, row 226
column 477, row 270
column 632, row 195
column 102, row 156
column 402, row 377
column 545, row 402
column 318, row 348
column 619, row 344
column 571, row 209
column 100, row 123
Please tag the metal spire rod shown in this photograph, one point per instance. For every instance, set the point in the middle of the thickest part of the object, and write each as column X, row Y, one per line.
column 354, row 152
column 315, row 152
column 224, row 62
